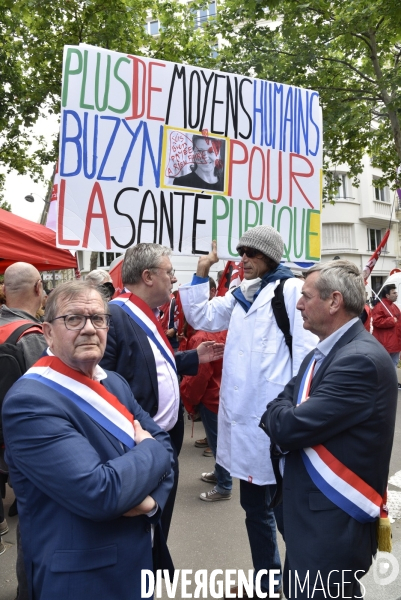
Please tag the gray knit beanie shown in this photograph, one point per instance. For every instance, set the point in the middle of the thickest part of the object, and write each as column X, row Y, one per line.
column 266, row 239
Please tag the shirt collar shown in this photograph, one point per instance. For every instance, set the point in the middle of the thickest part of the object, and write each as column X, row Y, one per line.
column 324, row 347
column 99, row 373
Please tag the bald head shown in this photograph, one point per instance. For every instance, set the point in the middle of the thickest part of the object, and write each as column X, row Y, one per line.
column 23, row 287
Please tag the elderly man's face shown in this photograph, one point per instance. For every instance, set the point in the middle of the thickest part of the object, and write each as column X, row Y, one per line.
column 83, row 349
column 315, row 311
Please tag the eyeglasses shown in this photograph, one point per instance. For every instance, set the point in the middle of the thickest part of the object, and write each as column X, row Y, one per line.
column 78, row 322
column 250, row 252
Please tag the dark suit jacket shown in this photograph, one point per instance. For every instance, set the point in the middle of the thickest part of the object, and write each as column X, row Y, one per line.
column 74, row 481
column 128, row 352
column 351, row 411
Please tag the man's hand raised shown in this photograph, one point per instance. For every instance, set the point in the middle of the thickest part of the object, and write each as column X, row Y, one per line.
column 209, row 351
column 205, row 262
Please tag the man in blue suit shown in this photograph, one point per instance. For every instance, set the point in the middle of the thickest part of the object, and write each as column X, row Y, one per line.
column 91, row 469
column 138, row 349
column 335, row 423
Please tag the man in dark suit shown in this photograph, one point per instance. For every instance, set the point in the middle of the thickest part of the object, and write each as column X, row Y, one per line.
column 90, row 468
column 334, row 423
column 138, row 349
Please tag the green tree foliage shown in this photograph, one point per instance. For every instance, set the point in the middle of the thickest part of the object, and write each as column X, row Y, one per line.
column 33, row 34
column 349, row 51
column 3, row 204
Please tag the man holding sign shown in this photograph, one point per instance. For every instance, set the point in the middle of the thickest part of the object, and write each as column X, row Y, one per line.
column 90, row 468
column 258, row 362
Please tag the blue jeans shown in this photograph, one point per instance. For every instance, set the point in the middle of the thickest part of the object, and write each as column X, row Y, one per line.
column 209, row 419
column 395, row 357
column 261, row 527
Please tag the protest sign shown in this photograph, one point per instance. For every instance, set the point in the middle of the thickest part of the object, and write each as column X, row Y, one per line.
column 153, row 151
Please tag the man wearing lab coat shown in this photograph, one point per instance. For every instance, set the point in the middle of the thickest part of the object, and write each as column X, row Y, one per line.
column 257, row 365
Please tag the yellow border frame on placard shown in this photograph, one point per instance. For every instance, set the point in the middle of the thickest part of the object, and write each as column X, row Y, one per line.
column 193, row 132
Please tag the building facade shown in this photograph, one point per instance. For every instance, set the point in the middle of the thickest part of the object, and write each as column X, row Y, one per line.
column 355, row 224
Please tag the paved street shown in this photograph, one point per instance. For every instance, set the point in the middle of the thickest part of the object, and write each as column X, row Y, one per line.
column 212, row 535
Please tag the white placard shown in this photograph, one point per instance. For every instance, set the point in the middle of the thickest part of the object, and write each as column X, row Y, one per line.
column 153, row 151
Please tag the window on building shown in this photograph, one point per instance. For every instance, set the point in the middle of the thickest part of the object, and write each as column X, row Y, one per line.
column 203, row 14
column 215, row 51
column 338, row 186
column 154, row 27
column 106, row 258
column 341, row 180
column 377, row 283
column 380, row 192
column 374, row 238
column 336, row 236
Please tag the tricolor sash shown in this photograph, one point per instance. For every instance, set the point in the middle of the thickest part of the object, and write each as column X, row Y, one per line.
column 338, row 483
column 143, row 316
column 89, row 395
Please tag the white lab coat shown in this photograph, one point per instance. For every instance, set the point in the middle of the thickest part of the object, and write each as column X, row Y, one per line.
column 256, row 367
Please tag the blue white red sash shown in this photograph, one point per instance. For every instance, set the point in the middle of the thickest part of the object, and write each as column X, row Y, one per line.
column 306, row 382
column 141, row 313
column 89, row 395
column 338, row 483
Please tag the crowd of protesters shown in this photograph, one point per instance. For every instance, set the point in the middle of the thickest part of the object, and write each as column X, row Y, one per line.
column 284, row 373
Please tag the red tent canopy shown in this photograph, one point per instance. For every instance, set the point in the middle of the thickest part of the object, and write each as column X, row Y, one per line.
column 23, row 240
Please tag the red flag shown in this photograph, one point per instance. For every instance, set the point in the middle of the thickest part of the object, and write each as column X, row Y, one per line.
column 232, row 276
column 375, row 257
column 164, row 316
column 115, row 273
column 51, row 220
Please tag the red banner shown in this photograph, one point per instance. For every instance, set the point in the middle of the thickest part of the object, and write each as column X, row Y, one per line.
column 375, row 257
column 232, row 276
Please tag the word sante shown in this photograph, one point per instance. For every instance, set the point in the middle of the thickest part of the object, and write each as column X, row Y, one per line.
column 217, row 584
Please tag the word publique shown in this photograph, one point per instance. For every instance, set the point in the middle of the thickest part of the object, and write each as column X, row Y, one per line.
column 155, row 151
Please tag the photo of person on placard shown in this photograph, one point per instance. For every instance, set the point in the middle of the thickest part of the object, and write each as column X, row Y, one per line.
column 207, row 169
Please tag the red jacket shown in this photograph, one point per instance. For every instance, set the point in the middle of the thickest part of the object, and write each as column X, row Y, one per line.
column 385, row 329
column 205, row 386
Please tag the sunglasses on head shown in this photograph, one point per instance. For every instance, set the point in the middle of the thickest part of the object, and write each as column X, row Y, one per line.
column 250, row 252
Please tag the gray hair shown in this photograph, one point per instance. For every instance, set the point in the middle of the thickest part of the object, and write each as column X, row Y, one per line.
column 98, row 276
column 141, row 257
column 344, row 277
column 67, row 292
